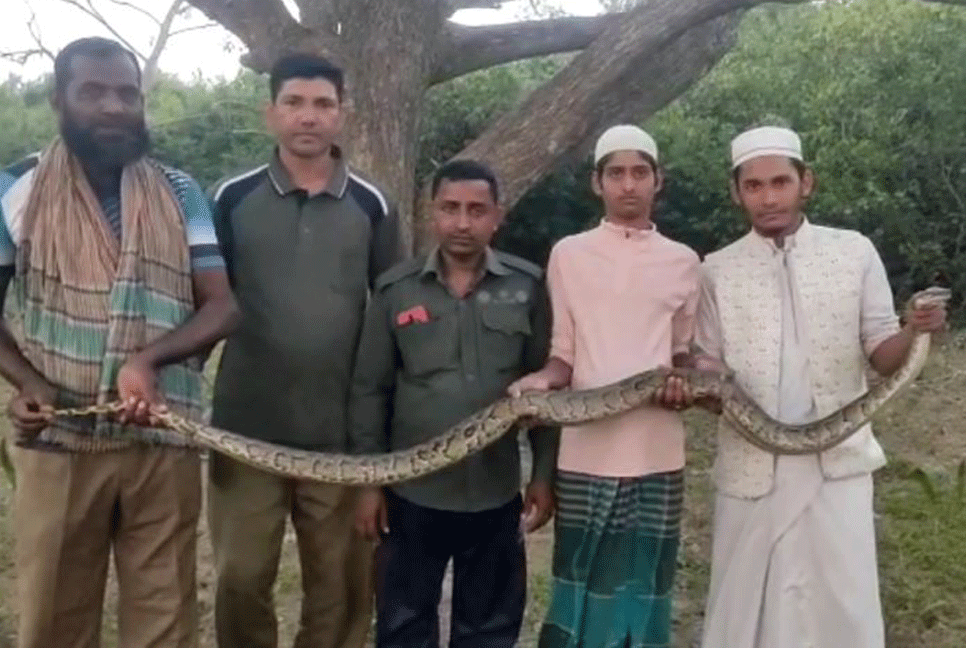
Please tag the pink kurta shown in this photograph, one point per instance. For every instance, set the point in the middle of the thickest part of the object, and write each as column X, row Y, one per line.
column 623, row 301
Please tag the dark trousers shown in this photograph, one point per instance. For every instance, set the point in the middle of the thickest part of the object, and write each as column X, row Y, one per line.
column 489, row 576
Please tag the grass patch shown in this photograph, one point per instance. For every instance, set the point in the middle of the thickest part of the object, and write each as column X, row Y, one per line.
column 922, row 554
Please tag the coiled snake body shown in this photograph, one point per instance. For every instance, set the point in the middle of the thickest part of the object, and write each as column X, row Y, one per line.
column 561, row 408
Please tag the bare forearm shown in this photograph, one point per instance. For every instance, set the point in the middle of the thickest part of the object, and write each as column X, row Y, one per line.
column 544, row 443
column 890, row 354
column 14, row 367
column 209, row 324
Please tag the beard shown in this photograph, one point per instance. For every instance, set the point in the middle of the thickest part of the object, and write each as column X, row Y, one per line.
column 128, row 144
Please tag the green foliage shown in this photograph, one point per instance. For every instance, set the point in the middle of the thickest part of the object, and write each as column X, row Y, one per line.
column 26, row 120
column 875, row 88
column 924, row 581
column 210, row 130
column 933, row 486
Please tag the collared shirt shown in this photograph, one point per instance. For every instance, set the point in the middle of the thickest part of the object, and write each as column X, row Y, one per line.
column 429, row 359
column 796, row 403
column 623, row 302
column 301, row 267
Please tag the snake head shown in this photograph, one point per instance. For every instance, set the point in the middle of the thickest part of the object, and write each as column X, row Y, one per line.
column 932, row 296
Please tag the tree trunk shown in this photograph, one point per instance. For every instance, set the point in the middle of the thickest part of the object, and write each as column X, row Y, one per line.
column 387, row 72
column 634, row 68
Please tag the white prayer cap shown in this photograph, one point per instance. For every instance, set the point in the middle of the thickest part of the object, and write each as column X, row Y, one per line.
column 624, row 138
column 767, row 140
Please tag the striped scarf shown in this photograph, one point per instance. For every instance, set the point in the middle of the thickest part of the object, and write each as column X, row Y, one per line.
column 89, row 301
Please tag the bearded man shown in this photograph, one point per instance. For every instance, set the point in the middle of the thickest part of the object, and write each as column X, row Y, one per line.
column 120, row 287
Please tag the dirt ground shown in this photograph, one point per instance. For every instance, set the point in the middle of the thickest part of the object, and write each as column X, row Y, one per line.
column 922, row 552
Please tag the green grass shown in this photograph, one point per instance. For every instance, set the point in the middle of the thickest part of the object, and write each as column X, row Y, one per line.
column 922, row 552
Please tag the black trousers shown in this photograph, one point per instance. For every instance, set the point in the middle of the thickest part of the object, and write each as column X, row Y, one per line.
column 489, row 576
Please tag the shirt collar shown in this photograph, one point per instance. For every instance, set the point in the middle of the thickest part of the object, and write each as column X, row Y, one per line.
column 801, row 236
column 621, row 231
column 282, row 179
column 491, row 264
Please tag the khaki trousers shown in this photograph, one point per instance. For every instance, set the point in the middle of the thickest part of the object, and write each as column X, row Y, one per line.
column 247, row 510
column 70, row 509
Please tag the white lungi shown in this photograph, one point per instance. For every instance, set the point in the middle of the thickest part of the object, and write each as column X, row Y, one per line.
column 796, row 568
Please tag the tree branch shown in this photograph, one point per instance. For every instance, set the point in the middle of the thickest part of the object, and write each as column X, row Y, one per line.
column 22, row 56
column 636, row 67
column 475, row 48
column 265, row 27
column 150, row 73
column 140, row 10
column 182, row 30
column 92, row 11
column 456, row 5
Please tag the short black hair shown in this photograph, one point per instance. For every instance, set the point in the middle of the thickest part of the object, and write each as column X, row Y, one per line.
column 800, row 166
column 305, row 66
column 599, row 167
column 93, row 47
column 456, row 170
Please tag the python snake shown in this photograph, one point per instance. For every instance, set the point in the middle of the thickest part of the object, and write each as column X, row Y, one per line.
column 557, row 407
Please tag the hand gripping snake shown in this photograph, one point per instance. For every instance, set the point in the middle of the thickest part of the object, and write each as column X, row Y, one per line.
column 555, row 408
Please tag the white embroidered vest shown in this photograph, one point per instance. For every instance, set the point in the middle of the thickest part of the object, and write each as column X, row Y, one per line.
column 829, row 273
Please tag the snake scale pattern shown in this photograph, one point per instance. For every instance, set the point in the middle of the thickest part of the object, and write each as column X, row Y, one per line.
column 558, row 407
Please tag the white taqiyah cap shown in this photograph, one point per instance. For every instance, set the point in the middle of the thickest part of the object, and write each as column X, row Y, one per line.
column 624, row 138
column 767, row 140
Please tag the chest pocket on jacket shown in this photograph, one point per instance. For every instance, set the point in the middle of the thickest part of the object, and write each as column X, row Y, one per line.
column 428, row 347
column 505, row 332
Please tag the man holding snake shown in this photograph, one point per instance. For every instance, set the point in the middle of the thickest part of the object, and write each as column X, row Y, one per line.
column 795, row 310
column 624, row 298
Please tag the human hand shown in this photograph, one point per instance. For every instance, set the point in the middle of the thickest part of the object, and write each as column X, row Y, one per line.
column 538, row 506
column 136, row 388
column 537, row 381
column 372, row 516
column 31, row 411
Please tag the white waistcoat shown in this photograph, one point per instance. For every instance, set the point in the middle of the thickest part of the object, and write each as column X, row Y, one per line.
column 829, row 273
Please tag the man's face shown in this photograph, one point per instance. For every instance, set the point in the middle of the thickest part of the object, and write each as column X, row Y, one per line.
column 306, row 117
column 627, row 185
column 101, row 111
column 772, row 193
column 465, row 217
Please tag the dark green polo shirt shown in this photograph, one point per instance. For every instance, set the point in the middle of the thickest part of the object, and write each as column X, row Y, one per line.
column 301, row 267
column 428, row 359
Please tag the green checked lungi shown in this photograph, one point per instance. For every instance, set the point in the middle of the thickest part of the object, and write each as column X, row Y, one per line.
column 615, row 552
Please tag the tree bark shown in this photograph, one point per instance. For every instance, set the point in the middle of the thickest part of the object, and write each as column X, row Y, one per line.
column 266, row 28
column 625, row 74
column 387, row 69
column 474, row 48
